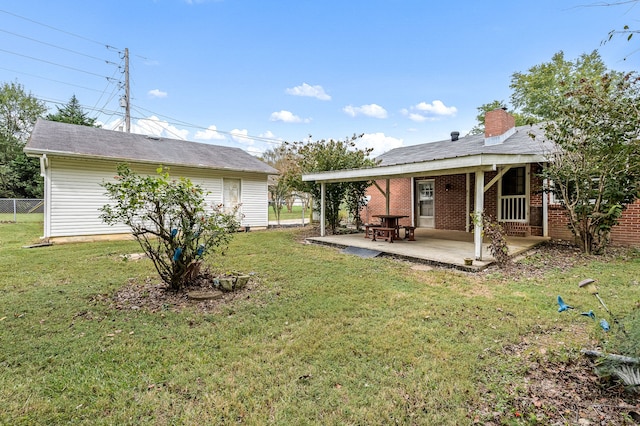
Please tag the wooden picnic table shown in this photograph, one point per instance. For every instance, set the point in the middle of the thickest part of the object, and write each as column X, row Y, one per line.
column 390, row 222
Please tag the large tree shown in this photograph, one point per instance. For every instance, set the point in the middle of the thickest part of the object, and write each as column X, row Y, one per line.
column 327, row 155
column 536, row 92
column 73, row 113
column 19, row 175
column 596, row 170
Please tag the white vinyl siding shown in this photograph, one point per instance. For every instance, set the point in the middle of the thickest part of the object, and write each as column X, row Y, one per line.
column 76, row 196
column 255, row 201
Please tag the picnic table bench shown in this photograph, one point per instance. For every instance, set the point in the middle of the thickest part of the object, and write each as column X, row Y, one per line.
column 409, row 233
column 387, row 234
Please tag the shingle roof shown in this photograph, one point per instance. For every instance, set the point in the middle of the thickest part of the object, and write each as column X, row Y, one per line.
column 520, row 142
column 54, row 138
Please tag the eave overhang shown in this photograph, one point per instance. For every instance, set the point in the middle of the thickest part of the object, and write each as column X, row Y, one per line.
column 445, row 166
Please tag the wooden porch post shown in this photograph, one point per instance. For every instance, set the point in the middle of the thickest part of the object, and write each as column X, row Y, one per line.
column 478, row 209
column 323, row 187
column 387, row 196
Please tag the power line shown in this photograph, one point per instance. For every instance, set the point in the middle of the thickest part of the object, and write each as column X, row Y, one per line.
column 102, row 110
column 176, row 121
column 109, row 82
column 59, row 30
column 59, row 47
column 53, row 63
column 50, row 79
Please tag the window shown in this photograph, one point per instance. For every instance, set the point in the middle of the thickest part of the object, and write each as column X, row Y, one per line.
column 513, row 182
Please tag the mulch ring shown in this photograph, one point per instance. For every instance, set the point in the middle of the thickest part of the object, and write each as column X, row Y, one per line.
column 154, row 296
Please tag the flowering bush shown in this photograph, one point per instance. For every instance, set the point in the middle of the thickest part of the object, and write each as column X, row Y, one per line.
column 169, row 219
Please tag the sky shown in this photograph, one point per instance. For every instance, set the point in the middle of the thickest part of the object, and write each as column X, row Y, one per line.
column 254, row 73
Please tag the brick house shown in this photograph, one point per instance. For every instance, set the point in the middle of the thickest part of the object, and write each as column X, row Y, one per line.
column 443, row 184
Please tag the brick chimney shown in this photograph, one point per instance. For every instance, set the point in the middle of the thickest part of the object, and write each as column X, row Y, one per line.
column 498, row 126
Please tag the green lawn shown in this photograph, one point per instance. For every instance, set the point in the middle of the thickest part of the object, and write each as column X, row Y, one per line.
column 296, row 213
column 21, row 217
column 325, row 338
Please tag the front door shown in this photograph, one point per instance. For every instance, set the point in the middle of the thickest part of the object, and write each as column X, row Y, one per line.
column 425, row 190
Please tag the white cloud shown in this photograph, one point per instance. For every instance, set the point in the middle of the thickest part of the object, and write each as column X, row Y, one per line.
column 379, row 142
column 210, row 134
column 240, row 136
column 288, row 117
column 157, row 93
column 150, row 126
column 310, row 91
column 436, row 107
column 371, row 110
column 417, row 117
column 255, row 151
column 429, row 112
column 153, row 126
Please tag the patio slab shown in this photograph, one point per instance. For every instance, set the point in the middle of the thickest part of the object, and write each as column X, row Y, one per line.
column 433, row 247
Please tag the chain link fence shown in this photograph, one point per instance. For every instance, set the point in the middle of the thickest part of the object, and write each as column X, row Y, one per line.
column 21, row 210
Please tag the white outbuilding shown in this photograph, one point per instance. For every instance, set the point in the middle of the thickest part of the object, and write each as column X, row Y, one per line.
column 76, row 160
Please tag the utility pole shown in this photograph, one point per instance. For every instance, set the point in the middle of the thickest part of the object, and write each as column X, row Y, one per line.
column 127, row 98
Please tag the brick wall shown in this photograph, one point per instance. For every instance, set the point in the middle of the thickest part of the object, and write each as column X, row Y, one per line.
column 450, row 208
column 399, row 203
column 558, row 222
column 628, row 230
column 450, row 202
column 626, row 233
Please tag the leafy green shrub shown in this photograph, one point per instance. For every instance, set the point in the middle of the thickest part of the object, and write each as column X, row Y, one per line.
column 497, row 238
column 168, row 217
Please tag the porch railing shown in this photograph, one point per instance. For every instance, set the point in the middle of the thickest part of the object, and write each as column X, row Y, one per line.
column 513, row 208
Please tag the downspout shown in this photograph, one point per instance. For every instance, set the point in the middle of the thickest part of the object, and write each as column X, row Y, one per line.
column 44, row 172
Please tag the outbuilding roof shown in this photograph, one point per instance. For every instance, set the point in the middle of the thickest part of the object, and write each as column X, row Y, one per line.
column 54, row 138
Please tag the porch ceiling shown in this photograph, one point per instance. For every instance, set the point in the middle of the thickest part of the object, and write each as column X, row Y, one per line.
column 447, row 166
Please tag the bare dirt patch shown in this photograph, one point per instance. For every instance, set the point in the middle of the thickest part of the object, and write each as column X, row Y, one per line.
column 153, row 296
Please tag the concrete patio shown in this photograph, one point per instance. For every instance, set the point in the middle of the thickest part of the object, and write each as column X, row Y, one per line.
column 432, row 247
